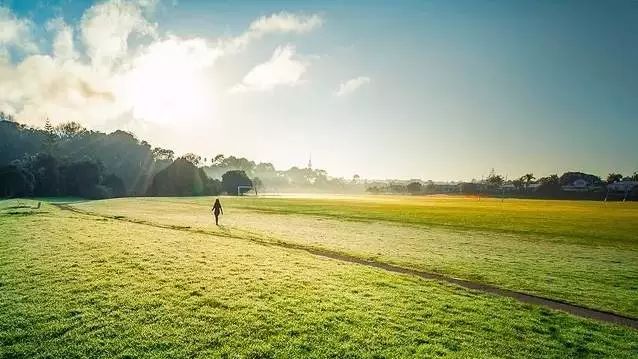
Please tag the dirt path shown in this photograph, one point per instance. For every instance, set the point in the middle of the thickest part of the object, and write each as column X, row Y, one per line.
column 574, row 309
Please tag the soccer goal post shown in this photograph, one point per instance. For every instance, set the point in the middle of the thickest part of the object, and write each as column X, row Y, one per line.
column 240, row 188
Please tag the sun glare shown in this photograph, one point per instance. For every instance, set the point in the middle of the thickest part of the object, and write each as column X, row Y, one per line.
column 169, row 84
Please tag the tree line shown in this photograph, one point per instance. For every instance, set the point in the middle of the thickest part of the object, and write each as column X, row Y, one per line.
column 69, row 160
column 527, row 185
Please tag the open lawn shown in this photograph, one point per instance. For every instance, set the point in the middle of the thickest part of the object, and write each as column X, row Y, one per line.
column 78, row 285
column 577, row 251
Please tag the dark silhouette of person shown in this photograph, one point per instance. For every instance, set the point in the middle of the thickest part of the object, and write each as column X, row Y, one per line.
column 217, row 209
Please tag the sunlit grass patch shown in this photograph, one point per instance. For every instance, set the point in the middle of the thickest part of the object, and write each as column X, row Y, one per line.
column 513, row 243
column 77, row 286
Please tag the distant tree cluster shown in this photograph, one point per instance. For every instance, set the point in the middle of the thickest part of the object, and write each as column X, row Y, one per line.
column 44, row 175
column 570, row 185
column 69, row 160
column 265, row 176
column 183, row 178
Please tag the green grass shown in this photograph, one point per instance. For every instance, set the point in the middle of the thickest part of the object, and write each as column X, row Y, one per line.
column 75, row 285
column 547, row 254
column 587, row 222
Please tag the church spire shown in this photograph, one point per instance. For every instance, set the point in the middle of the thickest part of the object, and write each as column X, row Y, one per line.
column 310, row 161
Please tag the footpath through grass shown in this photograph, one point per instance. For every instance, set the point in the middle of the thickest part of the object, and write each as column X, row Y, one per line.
column 547, row 254
column 82, row 286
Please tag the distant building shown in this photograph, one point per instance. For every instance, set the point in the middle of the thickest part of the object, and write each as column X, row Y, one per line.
column 508, row 188
column 580, row 185
column 445, row 188
column 622, row 186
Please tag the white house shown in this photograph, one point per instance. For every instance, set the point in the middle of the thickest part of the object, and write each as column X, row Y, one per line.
column 580, row 185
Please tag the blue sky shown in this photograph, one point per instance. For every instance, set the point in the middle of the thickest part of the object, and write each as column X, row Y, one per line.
column 413, row 89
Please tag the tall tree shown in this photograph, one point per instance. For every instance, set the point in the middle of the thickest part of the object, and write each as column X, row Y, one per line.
column 613, row 178
column 162, row 154
column 218, row 159
column 494, row 180
column 70, row 129
column 549, row 185
column 192, row 158
column 528, row 178
column 45, row 169
column 51, row 136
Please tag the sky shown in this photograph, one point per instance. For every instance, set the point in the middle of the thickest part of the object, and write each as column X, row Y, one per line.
column 440, row 90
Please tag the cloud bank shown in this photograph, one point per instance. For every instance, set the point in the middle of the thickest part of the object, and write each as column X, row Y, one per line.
column 15, row 33
column 116, row 62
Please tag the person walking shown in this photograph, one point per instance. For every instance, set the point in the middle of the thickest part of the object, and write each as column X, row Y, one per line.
column 217, row 209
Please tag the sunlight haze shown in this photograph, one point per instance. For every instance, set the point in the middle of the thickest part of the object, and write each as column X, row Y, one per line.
column 406, row 89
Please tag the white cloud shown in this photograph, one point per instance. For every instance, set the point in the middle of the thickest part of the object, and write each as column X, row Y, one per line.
column 106, row 29
column 282, row 22
column 285, row 22
column 283, row 69
column 41, row 87
column 115, row 65
column 61, row 85
column 15, row 32
column 348, row 87
column 63, row 43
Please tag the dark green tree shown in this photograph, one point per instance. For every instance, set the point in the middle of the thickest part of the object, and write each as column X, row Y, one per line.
column 82, row 178
column 16, row 181
column 181, row 178
column 115, row 185
column 45, row 169
column 231, row 181
column 549, row 185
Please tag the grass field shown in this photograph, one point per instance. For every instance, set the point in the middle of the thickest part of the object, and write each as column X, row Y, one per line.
column 77, row 285
column 581, row 252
